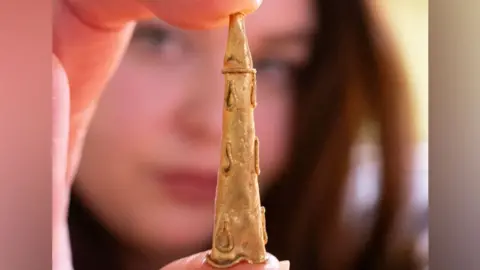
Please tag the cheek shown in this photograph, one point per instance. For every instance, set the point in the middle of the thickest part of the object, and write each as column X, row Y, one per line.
column 132, row 116
column 272, row 123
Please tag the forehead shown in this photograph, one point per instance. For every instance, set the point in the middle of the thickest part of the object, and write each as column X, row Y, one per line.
column 277, row 16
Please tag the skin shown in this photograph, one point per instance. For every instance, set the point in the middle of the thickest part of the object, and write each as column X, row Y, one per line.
column 151, row 121
column 90, row 37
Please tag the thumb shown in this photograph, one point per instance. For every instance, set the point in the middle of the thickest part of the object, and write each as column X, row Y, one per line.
column 198, row 262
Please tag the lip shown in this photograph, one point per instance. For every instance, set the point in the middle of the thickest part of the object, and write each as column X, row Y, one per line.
column 189, row 187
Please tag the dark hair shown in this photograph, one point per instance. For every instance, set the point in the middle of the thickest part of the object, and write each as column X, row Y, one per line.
column 353, row 76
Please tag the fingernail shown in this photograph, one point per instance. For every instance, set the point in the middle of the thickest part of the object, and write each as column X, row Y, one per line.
column 284, row 265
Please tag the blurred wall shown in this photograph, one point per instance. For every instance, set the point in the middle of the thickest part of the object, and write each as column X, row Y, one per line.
column 409, row 22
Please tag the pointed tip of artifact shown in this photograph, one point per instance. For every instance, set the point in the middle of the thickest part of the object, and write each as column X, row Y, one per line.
column 237, row 52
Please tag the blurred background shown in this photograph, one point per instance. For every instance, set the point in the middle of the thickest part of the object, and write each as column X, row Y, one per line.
column 408, row 21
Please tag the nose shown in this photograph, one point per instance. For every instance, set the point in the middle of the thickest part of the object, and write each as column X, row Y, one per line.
column 198, row 119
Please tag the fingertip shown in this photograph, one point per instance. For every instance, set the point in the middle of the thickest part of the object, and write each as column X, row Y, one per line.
column 284, row 265
column 195, row 261
column 189, row 14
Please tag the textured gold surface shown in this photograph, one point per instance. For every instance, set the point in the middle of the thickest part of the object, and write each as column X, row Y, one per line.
column 239, row 230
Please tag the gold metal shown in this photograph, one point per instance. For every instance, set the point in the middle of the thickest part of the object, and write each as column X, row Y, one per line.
column 239, row 233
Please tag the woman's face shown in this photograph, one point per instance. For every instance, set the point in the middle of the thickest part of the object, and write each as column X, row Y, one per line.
column 151, row 156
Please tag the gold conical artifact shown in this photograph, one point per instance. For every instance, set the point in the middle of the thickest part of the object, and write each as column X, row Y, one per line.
column 239, row 228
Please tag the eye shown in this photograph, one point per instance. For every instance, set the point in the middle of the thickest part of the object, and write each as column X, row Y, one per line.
column 157, row 44
column 273, row 66
column 152, row 35
column 276, row 71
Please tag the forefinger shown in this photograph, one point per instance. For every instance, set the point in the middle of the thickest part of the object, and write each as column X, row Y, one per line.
column 199, row 14
column 180, row 13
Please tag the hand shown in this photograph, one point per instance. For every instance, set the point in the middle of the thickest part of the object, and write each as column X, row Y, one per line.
column 89, row 39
